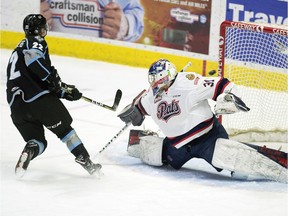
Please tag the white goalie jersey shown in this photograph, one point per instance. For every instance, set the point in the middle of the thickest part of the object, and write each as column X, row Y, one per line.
column 183, row 112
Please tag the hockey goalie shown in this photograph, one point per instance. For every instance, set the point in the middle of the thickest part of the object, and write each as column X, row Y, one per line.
column 178, row 104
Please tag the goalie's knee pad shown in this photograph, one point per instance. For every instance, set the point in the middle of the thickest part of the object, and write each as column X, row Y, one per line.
column 146, row 146
column 133, row 147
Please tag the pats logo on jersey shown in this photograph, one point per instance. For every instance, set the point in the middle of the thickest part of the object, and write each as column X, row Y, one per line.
column 165, row 110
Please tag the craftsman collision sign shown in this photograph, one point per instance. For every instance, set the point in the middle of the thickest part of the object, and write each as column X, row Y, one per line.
column 259, row 11
column 75, row 14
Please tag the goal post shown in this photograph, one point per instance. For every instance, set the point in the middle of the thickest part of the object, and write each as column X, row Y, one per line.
column 255, row 57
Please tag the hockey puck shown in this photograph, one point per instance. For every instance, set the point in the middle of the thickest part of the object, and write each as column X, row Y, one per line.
column 212, row 72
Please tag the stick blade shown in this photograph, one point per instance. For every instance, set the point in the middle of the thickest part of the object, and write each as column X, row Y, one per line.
column 117, row 99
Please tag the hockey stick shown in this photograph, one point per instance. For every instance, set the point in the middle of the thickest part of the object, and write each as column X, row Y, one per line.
column 115, row 104
column 115, row 137
column 212, row 72
column 186, row 66
column 123, row 128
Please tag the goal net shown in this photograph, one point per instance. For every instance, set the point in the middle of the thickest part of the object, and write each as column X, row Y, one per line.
column 255, row 57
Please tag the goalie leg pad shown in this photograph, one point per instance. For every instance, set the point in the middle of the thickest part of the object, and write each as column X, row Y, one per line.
column 151, row 150
column 133, row 147
column 240, row 158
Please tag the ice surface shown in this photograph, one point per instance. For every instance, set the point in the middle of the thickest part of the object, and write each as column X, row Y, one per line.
column 55, row 185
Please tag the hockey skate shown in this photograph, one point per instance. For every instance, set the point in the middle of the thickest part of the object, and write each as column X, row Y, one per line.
column 24, row 161
column 88, row 165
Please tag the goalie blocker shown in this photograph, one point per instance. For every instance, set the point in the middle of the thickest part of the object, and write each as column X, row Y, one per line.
column 245, row 161
column 131, row 113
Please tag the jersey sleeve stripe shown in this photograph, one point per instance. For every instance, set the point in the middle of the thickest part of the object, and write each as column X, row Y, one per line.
column 220, row 87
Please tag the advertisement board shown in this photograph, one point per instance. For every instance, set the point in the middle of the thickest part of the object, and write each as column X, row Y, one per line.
column 264, row 11
column 261, row 11
column 177, row 24
column 117, row 19
column 182, row 26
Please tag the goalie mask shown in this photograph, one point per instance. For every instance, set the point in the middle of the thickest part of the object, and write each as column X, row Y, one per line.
column 160, row 74
column 35, row 25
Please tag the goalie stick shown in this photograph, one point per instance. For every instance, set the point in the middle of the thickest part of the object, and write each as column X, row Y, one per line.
column 115, row 137
column 115, row 104
column 186, row 66
column 123, row 128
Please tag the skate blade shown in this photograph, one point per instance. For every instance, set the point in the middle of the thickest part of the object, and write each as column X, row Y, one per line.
column 19, row 170
column 98, row 172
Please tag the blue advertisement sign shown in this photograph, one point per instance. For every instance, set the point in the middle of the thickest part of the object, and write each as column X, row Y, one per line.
column 264, row 11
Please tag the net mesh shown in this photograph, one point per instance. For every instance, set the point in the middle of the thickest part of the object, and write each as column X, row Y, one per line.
column 257, row 61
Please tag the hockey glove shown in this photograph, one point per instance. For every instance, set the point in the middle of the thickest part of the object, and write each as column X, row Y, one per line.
column 62, row 90
column 70, row 92
column 228, row 103
column 54, row 81
column 131, row 114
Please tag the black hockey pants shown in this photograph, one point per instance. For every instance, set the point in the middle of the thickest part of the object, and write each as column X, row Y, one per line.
column 48, row 110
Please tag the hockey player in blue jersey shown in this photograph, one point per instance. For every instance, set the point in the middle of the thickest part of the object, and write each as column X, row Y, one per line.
column 34, row 90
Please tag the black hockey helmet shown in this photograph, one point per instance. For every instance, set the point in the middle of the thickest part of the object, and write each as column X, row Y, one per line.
column 35, row 24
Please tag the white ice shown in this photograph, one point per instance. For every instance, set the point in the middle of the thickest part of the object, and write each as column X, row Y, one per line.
column 55, row 185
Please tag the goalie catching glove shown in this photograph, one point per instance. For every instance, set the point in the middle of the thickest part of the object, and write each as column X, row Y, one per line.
column 228, row 103
column 131, row 113
column 62, row 90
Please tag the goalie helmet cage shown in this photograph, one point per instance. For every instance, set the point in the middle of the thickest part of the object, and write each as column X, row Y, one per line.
column 255, row 57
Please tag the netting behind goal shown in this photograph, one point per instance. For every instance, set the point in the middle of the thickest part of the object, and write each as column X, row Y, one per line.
column 255, row 57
